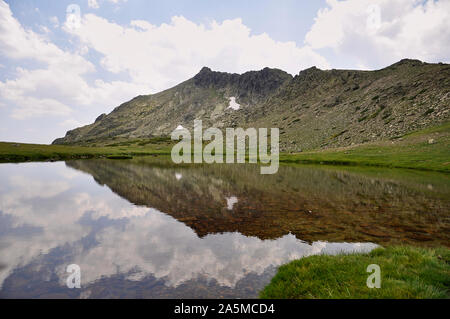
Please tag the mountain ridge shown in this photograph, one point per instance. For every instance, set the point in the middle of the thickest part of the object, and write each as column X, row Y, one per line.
column 314, row 109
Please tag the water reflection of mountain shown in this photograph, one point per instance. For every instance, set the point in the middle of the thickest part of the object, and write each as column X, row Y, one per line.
column 312, row 203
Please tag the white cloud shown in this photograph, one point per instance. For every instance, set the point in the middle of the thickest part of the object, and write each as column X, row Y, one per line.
column 70, row 123
column 19, row 43
column 117, row 1
column 55, row 21
column 173, row 52
column 28, row 90
column 33, row 107
column 44, row 29
column 407, row 28
column 58, row 85
column 95, row 3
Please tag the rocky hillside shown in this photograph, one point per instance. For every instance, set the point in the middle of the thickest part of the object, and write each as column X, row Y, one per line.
column 314, row 109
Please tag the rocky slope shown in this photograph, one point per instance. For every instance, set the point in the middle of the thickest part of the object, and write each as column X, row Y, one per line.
column 206, row 96
column 314, row 109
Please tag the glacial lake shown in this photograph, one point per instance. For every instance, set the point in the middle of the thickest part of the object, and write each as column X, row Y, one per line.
column 145, row 228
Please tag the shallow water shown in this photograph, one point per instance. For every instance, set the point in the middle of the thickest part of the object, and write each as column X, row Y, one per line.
column 146, row 229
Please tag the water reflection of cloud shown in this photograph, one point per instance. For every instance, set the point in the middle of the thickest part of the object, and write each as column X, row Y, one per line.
column 155, row 244
column 128, row 239
column 29, row 199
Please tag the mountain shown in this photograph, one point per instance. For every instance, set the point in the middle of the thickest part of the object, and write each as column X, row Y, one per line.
column 315, row 109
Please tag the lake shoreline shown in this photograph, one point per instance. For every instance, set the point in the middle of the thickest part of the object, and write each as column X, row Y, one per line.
column 426, row 150
column 377, row 156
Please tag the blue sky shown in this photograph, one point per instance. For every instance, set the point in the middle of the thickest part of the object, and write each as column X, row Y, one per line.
column 57, row 74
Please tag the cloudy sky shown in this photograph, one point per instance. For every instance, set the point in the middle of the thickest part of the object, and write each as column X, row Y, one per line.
column 62, row 63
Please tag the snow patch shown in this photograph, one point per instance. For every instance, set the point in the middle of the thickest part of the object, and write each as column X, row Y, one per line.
column 233, row 104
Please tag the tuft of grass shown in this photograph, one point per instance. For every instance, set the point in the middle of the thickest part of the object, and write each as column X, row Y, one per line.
column 406, row 272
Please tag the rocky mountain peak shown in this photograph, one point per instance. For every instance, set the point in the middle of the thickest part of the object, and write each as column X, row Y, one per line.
column 205, row 70
column 310, row 72
column 253, row 85
column 310, row 75
column 406, row 63
column 208, row 78
column 316, row 109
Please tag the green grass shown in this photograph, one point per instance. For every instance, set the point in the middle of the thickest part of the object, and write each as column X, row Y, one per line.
column 409, row 151
column 406, row 272
column 18, row 152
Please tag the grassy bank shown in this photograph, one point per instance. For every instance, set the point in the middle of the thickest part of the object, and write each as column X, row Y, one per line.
column 406, row 272
column 427, row 150
column 19, row 152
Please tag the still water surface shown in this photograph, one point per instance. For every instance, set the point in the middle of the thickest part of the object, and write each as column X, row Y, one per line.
column 146, row 229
